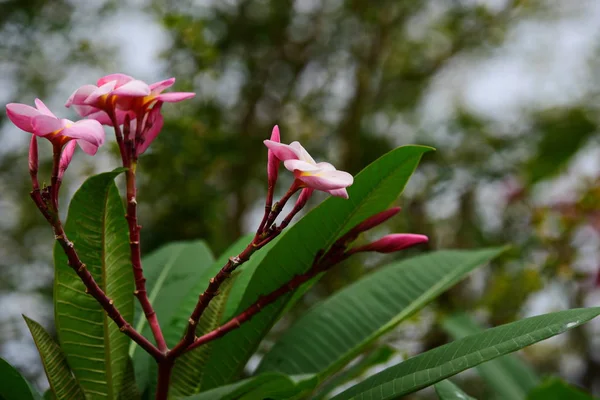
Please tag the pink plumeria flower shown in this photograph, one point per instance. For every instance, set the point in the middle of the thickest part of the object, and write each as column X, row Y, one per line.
column 319, row 176
column 40, row 121
column 392, row 243
column 140, row 105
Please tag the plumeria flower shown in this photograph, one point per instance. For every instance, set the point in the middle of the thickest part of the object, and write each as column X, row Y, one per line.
column 319, row 176
column 40, row 121
column 123, row 95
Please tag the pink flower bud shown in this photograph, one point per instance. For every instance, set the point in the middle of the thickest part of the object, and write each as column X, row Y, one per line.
column 65, row 158
column 369, row 223
column 392, row 243
column 303, row 198
column 272, row 161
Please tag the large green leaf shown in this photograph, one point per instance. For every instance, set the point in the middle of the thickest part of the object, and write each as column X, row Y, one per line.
column 556, row 389
column 95, row 348
column 447, row 360
column 336, row 330
column 508, row 376
column 271, row 386
column 61, row 379
column 447, row 390
column 171, row 272
column 14, row 386
column 374, row 189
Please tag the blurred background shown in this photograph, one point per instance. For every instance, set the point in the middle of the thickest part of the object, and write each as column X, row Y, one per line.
column 506, row 91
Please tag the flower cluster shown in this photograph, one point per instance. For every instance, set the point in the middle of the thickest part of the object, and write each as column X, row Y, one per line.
column 127, row 104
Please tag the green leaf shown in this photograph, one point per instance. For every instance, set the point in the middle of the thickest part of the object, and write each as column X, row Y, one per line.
column 447, row 390
column 508, row 376
column 171, row 272
column 14, row 386
column 336, row 330
column 61, row 379
column 95, row 348
column 271, row 386
column 378, row 356
column 557, row 389
column 447, row 360
column 374, row 189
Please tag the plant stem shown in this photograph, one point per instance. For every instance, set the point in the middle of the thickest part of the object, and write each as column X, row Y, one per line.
column 319, row 265
column 165, row 367
column 88, row 280
column 136, row 259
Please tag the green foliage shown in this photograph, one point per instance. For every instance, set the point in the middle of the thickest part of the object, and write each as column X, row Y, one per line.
column 446, row 390
column 444, row 361
column 263, row 386
column 171, row 272
column 14, row 386
column 373, row 190
column 508, row 377
column 557, row 389
column 62, row 382
column 364, row 311
column 95, row 348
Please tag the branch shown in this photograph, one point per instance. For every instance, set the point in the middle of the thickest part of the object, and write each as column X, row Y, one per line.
column 319, row 265
column 92, row 287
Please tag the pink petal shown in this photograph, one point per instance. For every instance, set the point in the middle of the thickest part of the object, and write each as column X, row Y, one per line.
column 282, row 151
column 21, row 115
column 92, row 99
column 302, row 166
column 325, row 166
column 325, row 180
column 272, row 161
column 45, row 124
column 80, row 95
column 343, row 193
column 174, row 97
column 133, row 88
column 302, row 153
column 87, row 147
column 101, row 117
column 157, row 121
column 303, row 198
column 65, row 158
column 120, row 79
column 86, row 111
column 43, row 109
column 158, row 87
column 87, row 130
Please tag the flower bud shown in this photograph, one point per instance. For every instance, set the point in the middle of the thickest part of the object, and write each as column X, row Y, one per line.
column 65, row 158
column 369, row 223
column 272, row 161
column 392, row 243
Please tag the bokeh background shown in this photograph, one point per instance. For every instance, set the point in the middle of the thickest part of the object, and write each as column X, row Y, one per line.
column 506, row 91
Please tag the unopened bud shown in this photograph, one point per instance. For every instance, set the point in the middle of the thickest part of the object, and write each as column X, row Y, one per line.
column 272, row 161
column 303, row 198
column 369, row 223
column 392, row 243
column 65, row 158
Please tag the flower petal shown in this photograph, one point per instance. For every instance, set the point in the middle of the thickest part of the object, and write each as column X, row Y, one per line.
column 302, row 166
column 119, row 79
column 45, row 124
column 65, row 158
column 80, row 95
column 21, row 115
column 174, row 97
column 326, row 180
column 87, row 130
column 155, row 123
column 43, row 109
column 302, row 153
column 158, row 87
column 93, row 98
column 343, row 193
column 282, row 151
column 135, row 88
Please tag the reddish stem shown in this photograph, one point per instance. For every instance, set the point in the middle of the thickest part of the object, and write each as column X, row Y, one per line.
column 165, row 367
column 88, row 280
column 136, row 259
column 319, row 265
column 118, row 135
